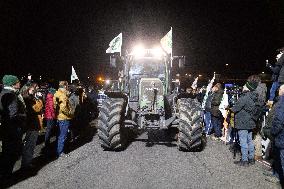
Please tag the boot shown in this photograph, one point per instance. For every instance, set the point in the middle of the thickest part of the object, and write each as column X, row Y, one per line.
column 251, row 161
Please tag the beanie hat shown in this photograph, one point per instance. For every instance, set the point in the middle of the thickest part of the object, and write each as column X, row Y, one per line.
column 52, row 90
column 251, row 85
column 9, row 80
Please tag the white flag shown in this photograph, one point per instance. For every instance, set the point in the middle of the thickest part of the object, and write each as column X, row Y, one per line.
column 224, row 103
column 73, row 75
column 115, row 44
column 208, row 89
column 194, row 84
column 167, row 42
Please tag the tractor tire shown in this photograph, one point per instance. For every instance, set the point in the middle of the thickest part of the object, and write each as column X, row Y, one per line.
column 190, row 136
column 110, row 124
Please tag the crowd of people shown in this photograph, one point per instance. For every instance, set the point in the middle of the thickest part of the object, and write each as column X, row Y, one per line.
column 247, row 119
column 26, row 111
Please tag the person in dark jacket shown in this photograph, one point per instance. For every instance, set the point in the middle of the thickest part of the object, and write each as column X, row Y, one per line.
column 216, row 115
column 244, row 110
column 13, row 115
column 34, row 107
column 275, row 75
column 277, row 131
column 280, row 61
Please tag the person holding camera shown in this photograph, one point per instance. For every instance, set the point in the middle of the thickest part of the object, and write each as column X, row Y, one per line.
column 277, row 75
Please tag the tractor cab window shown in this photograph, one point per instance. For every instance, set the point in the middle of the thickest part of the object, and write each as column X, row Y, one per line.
column 147, row 68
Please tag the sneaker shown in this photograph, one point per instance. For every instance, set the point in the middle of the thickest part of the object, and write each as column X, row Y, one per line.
column 251, row 161
column 242, row 163
column 63, row 155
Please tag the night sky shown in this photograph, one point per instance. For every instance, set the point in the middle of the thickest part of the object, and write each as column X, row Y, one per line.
column 47, row 37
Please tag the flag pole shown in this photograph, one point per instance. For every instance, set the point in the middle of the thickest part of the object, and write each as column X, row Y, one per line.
column 172, row 48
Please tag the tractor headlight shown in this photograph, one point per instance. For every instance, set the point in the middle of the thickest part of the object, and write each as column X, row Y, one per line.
column 138, row 51
column 157, row 52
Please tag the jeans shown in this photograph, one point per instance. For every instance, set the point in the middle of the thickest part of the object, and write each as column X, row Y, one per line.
column 207, row 121
column 63, row 130
column 28, row 148
column 246, row 143
column 273, row 89
column 50, row 123
column 217, row 125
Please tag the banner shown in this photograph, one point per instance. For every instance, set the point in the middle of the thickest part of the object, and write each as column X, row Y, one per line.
column 224, row 103
column 167, row 42
column 208, row 89
column 73, row 75
column 115, row 44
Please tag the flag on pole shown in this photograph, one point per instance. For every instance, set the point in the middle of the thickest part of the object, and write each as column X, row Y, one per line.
column 167, row 42
column 194, row 84
column 115, row 44
column 73, row 75
column 208, row 89
column 224, row 103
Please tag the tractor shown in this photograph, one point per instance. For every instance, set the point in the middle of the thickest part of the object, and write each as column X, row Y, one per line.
column 148, row 98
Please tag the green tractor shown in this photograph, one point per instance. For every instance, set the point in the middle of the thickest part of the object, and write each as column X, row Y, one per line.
column 147, row 98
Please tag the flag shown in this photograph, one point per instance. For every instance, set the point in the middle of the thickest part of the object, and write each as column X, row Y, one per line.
column 167, row 42
column 73, row 75
column 194, row 84
column 208, row 89
column 115, row 44
column 224, row 103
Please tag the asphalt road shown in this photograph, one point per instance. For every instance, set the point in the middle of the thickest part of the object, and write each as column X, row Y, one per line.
column 139, row 166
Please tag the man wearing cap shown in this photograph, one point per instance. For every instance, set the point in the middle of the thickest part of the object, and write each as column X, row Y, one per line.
column 13, row 115
column 244, row 110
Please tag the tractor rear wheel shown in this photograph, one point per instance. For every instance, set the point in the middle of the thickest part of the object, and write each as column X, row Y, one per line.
column 190, row 125
column 110, row 124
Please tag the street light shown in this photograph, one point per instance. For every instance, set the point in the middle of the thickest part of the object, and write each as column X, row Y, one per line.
column 107, row 81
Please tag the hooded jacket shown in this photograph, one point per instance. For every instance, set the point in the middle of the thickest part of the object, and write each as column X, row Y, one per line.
column 49, row 107
column 12, row 108
column 61, row 105
column 215, row 103
column 244, row 110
